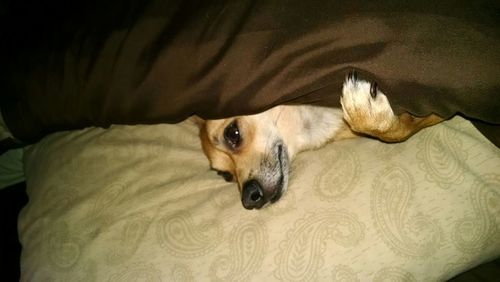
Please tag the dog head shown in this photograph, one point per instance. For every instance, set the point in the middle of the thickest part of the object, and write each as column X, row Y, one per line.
column 249, row 150
column 255, row 151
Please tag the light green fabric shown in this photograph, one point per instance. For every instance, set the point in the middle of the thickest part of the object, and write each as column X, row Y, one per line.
column 11, row 168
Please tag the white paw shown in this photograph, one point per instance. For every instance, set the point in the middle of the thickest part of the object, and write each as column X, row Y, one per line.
column 366, row 109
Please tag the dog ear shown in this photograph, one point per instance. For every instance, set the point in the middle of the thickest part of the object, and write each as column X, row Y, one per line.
column 198, row 121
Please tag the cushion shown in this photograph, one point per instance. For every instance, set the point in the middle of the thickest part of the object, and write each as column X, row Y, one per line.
column 140, row 203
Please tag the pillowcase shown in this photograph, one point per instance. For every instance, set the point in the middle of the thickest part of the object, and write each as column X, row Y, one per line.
column 140, row 203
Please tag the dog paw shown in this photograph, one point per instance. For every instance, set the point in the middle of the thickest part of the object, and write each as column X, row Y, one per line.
column 366, row 109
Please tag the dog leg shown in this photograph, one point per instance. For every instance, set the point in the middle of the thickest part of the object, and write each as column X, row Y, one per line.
column 367, row 111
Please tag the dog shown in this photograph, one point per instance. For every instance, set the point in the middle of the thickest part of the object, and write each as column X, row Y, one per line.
column 255, row 151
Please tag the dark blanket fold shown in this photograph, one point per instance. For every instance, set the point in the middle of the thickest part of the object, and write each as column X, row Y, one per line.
column 72, row 64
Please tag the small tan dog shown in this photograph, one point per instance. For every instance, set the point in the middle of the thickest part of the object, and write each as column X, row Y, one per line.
column 256, row 150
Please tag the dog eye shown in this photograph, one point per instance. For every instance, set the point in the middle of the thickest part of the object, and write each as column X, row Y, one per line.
column 232, row 135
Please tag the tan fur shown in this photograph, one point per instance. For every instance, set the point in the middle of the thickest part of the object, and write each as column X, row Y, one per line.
column 403, row 127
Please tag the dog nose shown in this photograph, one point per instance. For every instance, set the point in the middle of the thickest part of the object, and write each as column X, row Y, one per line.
column 252, row 195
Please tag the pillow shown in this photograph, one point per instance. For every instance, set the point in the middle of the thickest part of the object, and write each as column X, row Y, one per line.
column 94, row 63
column 140, row 203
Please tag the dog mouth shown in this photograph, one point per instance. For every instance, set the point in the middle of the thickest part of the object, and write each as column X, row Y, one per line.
column 271, row 182
column 281, row 181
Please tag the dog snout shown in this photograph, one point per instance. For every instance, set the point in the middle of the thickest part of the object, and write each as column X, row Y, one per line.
column 252, row 195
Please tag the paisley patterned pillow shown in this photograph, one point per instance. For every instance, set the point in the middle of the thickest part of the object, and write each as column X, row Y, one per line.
column 131, row 203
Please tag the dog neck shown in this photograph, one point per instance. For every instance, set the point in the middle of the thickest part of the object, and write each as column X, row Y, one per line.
column 307, row 127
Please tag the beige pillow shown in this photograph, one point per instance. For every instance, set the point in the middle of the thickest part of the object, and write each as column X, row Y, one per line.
column 139, row 202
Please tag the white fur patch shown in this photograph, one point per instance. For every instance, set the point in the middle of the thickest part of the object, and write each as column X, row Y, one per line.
column 363, row 112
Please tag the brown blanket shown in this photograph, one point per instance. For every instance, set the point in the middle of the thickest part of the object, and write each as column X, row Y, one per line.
column 72, row 64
